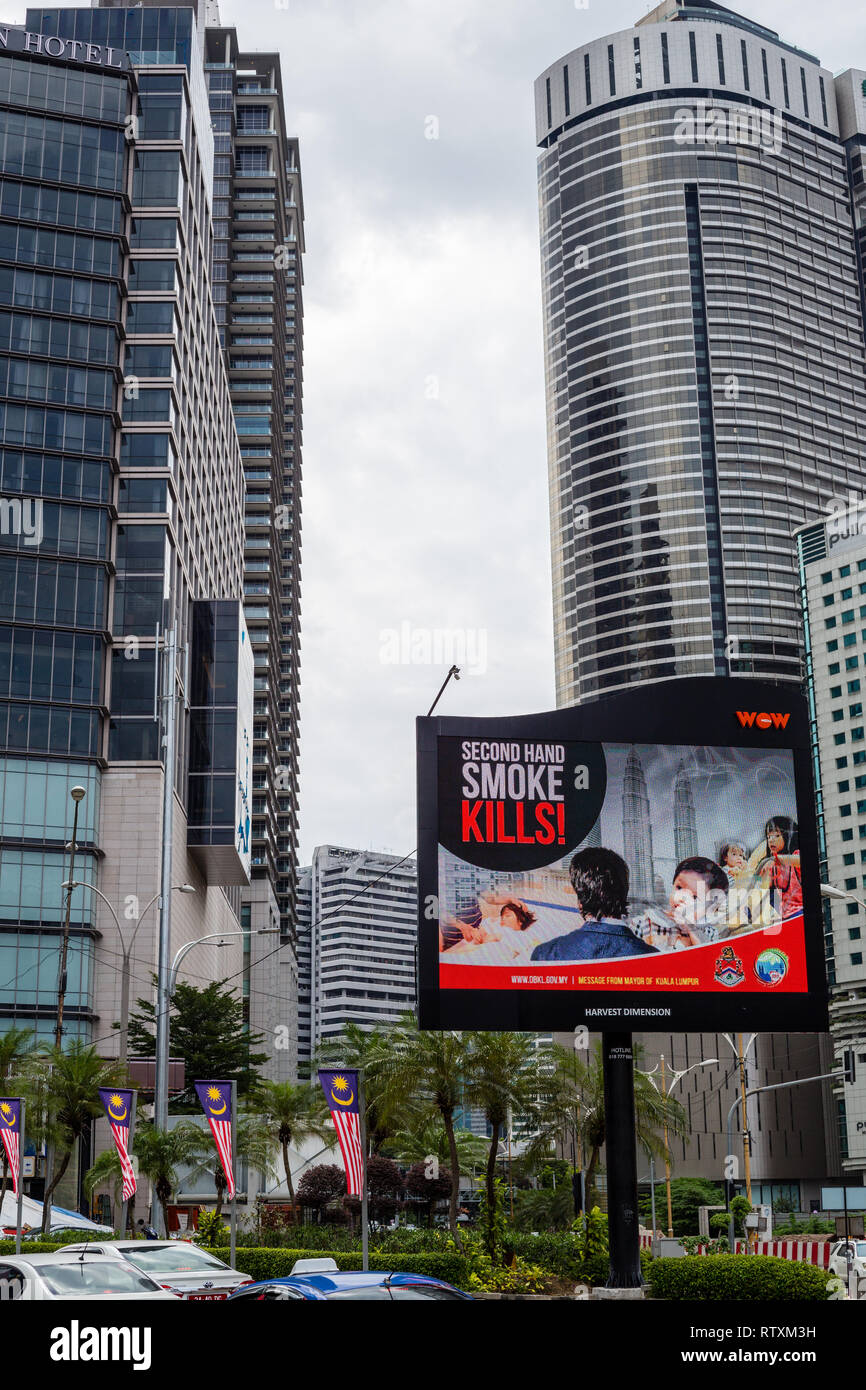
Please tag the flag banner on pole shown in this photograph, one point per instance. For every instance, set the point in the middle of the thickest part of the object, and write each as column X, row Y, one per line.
column 118, row 1109
column 216, row 1102
column 10, row 1130
column 341, row 1093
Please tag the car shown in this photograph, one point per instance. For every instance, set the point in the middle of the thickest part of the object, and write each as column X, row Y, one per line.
column 36, row 1278
column 838, row 1263
column 177, row 1265
column 319, row 1280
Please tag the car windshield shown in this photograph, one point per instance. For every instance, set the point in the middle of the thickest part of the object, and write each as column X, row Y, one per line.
column 93, row 1277
column 174, row 1259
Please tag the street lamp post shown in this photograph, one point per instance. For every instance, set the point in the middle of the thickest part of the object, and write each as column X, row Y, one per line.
column 126, row 951
column 666, row 1092
column 78, row 794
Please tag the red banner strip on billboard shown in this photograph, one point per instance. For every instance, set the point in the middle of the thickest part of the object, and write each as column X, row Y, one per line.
column 770, row 960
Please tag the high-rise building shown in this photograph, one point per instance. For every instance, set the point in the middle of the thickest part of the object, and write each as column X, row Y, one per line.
column 701, row 194
column 685, row 821
column 832, row 557
column 356, row 942
column 257, row 285
column 637, row 833
column 118, row 434
column 706, row 379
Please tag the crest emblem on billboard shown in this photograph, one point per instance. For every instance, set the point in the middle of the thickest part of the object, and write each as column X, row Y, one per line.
column 771, row 966
column 729, row 969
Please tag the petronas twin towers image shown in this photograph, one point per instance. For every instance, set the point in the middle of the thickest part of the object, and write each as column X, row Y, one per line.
column 637, row 832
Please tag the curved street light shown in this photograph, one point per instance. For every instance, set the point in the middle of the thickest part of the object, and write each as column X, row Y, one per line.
column 126, row 949
column 675, row 1078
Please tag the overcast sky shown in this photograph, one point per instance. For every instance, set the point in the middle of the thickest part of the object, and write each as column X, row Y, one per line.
column 425, row 474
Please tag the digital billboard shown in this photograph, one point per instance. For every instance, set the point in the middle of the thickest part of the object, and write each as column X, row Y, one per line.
column 646, row 861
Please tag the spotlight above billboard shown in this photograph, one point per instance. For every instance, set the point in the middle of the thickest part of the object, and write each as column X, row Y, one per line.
column 648, row 861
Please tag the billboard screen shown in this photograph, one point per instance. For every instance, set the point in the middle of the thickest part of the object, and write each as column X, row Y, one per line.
column 648, row 861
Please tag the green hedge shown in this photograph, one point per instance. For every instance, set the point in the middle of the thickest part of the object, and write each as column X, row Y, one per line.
column 32, row 1247
column 277, row 1263
column 764, row 1278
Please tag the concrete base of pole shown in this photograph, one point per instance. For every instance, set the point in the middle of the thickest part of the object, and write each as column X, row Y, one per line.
column 619, row 1295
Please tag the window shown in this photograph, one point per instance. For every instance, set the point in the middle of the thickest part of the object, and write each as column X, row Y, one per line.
column 156, row 180
column 565, row 90
column 823, row 100
column 587, row 79
column 666, row 67
column 720, row 54
column 693, row 55
column 765, row 73
column 844, row 571
column 745, row 57
column 638, row 78
column 785, row 82
column 611, row 70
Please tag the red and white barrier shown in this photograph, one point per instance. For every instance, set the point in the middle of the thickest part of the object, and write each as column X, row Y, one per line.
column 813, row 1252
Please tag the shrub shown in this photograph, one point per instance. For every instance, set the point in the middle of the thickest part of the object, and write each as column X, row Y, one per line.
column 763, row 1278
column 687, row 1194
column 277, row 1264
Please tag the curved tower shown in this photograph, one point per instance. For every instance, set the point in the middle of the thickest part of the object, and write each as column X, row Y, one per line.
column 706, row 381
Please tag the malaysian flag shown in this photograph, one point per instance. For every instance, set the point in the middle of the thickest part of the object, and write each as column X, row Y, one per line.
column 118, row 1109
column 216, row 1101
column 10, row 1130
column 341, row 1093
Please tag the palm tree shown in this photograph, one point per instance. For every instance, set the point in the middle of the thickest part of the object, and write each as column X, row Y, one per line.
column 160, row 1154
column 425, row 1137
column 426, row 1070
column 255, row 1144
column 506, row 1077
column 65, row 1086
column 575, row 1100
column 15, row 1044
column 297, row 1113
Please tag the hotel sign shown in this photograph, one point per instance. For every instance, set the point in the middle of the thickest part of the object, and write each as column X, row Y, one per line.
column 73, row 50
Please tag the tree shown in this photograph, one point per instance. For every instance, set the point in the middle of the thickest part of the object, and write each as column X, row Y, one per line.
column 544, row 1208
column 687, row 1194
column 385, row 1188
column 426, row 1189
column 296, row 1113
column 208, row 1032
column 425, row 1137
column 574, row 1103
column 160, row 1154
column 255, row 1145
column 321, row 1184
column 505, row 1078
column 426, row 1071
column 64, row 1088
column 15, row 1044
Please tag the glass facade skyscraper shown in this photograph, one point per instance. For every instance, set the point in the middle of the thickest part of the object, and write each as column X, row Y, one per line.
column 121, row 481
column 706, row 379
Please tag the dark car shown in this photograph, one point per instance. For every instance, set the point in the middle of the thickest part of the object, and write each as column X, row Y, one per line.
column 377, row 1285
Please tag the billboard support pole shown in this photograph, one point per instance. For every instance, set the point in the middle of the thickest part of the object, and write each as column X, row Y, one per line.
column 625, row 1271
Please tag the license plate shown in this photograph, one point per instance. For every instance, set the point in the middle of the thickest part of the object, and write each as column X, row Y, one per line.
column 206, row 1297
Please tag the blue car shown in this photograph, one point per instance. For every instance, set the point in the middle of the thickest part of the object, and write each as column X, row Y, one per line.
column 315, row 1285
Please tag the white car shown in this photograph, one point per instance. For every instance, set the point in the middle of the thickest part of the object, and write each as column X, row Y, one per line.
column 839, row 1261
column 176, row 1265
column 67, row 1275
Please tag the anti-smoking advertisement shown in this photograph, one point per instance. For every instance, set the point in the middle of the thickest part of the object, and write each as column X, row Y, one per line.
column 615, row 881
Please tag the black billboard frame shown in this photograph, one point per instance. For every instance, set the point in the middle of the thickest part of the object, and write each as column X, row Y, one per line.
column 699, row 711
